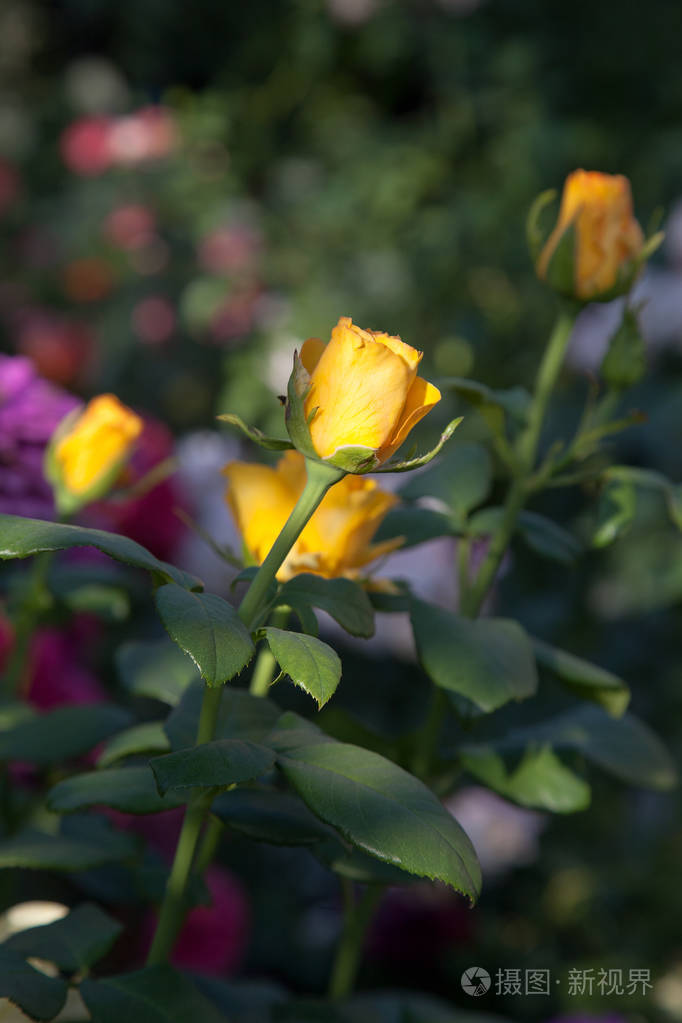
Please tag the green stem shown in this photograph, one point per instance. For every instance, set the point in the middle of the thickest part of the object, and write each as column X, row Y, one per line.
column 428, row 736
column 320, row 478
column 544, row 384
column 209, row 844
column 357, row 917
column 32, row 604
column 264, row 670
column 263, row 673
column 473, row 595
column 173, row 908
column 527, row 452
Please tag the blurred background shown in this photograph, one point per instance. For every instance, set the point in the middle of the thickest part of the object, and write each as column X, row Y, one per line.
column 187, row 192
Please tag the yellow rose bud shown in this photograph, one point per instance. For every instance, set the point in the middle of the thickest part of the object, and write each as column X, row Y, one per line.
column 337, row 540
column 89, row 450
column 606, row 240
column 364, row 392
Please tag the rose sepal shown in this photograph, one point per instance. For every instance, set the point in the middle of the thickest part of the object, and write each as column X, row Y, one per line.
column 296, row 421
column 535, row 236
column 254, row 434
column 415, row 463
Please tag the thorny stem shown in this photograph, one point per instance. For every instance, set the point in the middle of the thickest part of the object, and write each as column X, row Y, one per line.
column 173, row 908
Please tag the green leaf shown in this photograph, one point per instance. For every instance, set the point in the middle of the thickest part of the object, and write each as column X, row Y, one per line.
column 147, row 738
column 625, row 361
column 587, row 679
column 308, row 662
column 462, row 479
column 156, row 994
column 540, row 780
column 306, row 617
column 243, row 1001
column 415, row 525
column 615, row 513
column 342, row 599
column 73, row 943
column 157, row 669
column 241, row 716
column 547, row 538
column 38, row 850
column 383, row 810
column 404, row 1007
column 292, row 731
column 396, row 601
column 625, row 746
column 486, row 521
column 20, row 538
column 268, row 815
column 215, row 764
column 107, row 602
column 541, row 534
column 208, row 629
column 674, row 504
column 39, row 996
column 130, row 789
column 492, row 404
column 489, row 661
column 61, row 734
column 356, row 865
column 13, row 713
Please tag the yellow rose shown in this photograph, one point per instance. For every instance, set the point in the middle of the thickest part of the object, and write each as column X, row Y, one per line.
column 364, row 395
column 607, row 241
column 90, row 448
column 337, row 541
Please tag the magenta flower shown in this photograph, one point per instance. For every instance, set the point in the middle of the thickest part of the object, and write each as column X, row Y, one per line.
column 30, row 409
column 57, row 678
column 85, row 146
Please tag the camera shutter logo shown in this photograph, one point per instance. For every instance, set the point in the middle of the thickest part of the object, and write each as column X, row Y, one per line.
column 475, row 981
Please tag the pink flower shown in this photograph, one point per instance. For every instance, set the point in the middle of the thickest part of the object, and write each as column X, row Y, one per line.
column 85, row 146
column 59, row 348
column 235, row 317
column 147, row 134
column 229, row 249
column 91, row 145
column 130, row 227
column 154, row 319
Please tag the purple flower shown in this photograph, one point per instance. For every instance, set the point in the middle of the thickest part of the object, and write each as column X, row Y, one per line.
column 30, row 409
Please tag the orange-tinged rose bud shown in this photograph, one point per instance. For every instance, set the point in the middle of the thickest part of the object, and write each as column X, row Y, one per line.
column 337, row 540
column 364, row 395
column 595, row 248
column 90, row 448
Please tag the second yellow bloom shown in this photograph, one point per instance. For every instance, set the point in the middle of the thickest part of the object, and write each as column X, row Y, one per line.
column 338, row 539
